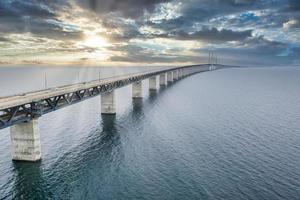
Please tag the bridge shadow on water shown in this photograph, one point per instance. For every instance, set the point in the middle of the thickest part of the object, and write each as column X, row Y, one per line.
column 137, row 107
column 28, row 181
column 101, row 152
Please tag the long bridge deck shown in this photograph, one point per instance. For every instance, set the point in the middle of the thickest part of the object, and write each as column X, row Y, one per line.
column 19, row 99
column 24, row 107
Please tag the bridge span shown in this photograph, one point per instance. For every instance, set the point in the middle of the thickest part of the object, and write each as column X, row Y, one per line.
column 21, row 112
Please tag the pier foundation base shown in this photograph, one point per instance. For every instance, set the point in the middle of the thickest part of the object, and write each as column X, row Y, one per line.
column 25, row 139
column 108, row 103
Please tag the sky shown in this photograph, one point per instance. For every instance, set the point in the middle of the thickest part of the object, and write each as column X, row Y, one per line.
column 149, row 32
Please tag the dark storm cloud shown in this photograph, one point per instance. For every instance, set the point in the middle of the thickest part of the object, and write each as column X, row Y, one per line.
column 15, row 11
column 137, row 54
column 192, row 12
column 125, row 31
column 255, row 47
column 127, row 8
column 127, row 48
column 33, row 16
column 31, row 8
column 255, row 51
column 4, row 39
column 294, row 5
column 290, row 10
column 210, row 21
column 198, row 11
column 250, row 51
column 295, row 51
column 262, row 46
column 211, row 35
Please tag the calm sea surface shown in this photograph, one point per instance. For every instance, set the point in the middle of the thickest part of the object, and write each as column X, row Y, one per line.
column 227, row 134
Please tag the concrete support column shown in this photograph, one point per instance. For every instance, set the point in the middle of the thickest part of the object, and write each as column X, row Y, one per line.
column 25, row 140
column 179, row 73
column 162, row 79
column 137, row 90
column 183, row 73
column 152, row 83
column 175, row 75
column 170, row 77
column 108, row 105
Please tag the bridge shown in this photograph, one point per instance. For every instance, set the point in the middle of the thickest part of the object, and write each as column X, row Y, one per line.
column 21, row 112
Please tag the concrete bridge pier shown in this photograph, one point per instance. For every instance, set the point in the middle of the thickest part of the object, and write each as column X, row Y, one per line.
column 162, row 79
column 25, row 141
column 180, row 73
column 169, row 77
column 175, row 75
column 152, row 83
column 108, row 104
column 137, row 90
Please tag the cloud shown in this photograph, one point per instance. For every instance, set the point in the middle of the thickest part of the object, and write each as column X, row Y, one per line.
column 4, row 62
column 209, row 35
column 120, row 31
column 262, row 46
column 4, row 39
column 31, row 8
column 36, row 62
column 294, row 5
column 254, row 51
column 151, row 30
column 227, row 13
column 126, row 8
column 293, row 23
column 33, row 17
column 138, row 54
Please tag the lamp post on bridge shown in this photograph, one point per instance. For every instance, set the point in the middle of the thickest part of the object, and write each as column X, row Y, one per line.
column 45, row 80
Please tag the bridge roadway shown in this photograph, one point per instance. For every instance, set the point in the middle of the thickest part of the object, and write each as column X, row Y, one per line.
column 22, row 111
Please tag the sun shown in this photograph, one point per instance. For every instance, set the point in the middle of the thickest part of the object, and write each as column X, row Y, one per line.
column 95, row 41
column 98, row 44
